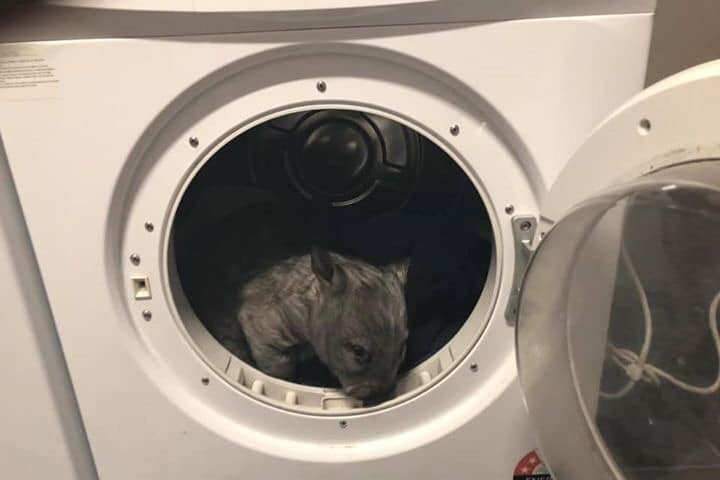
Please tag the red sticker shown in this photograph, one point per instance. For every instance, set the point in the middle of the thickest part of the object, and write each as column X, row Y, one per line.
column 531, row 467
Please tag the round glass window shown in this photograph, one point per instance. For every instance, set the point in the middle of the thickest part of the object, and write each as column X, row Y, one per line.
column 618, row 340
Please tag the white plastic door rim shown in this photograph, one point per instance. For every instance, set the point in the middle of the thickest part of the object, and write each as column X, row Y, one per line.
column 617, row 337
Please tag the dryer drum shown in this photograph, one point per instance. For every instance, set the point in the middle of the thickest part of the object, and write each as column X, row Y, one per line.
column 358, row 184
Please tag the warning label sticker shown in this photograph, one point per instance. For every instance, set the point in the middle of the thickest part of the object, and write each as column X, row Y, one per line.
column 25, row 73
column 531, row 467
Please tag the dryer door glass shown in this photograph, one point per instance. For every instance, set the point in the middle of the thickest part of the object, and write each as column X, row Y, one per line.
column 617, row 334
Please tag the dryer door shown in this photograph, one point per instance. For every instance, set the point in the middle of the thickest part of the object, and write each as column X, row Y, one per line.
column 617, row 334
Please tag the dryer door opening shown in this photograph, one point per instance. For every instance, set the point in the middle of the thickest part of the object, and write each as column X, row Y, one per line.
column 373, row 193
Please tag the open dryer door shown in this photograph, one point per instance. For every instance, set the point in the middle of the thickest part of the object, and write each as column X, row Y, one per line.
column 617, row 338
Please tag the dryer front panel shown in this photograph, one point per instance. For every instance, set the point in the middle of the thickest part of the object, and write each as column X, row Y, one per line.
column 104, row 157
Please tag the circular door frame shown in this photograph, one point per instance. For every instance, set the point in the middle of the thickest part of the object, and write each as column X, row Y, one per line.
column 236, row 99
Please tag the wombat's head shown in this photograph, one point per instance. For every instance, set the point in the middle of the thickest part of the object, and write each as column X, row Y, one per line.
column 360, row 323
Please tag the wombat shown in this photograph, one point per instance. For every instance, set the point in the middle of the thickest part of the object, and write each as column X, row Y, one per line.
column 350, row 314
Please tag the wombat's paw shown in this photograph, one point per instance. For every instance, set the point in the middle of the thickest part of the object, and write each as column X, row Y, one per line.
column 277, row 364
column 238, row 348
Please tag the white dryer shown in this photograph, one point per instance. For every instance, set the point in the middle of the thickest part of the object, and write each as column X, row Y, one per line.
column 112, row 115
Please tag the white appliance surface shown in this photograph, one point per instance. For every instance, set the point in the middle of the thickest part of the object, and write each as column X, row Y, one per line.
column 96, row 138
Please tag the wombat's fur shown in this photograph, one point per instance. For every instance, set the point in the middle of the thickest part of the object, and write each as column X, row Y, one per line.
column 352, row 315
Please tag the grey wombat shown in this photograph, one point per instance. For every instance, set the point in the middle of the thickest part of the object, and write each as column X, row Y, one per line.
column 352, row 315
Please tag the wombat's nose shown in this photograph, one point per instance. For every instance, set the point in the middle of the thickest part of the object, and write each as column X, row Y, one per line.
column 371, row 391
column 360, row 391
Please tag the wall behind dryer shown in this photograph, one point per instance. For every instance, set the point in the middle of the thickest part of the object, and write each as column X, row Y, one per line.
column 686, row 33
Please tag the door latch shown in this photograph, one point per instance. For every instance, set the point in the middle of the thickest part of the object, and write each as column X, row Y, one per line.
column 524, row 227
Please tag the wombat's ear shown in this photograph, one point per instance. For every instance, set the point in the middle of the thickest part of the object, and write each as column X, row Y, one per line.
column 400, row 269
column 322, row 265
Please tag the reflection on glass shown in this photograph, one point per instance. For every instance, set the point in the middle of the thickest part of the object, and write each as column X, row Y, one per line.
column 655, row 396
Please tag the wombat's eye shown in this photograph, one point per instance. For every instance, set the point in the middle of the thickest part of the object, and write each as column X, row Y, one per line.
column 361, row 354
